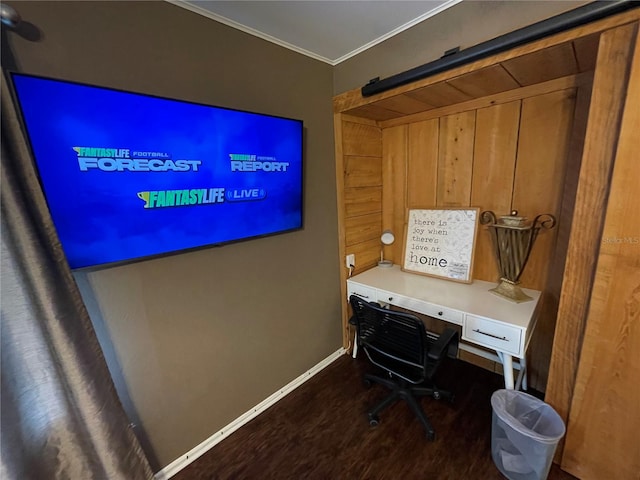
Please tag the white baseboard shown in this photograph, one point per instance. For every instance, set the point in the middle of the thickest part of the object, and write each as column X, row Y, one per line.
column 199, row 450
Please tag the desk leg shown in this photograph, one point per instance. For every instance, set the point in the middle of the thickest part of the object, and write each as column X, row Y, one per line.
column 507, row 366
column 354, row 351
column 522, row 376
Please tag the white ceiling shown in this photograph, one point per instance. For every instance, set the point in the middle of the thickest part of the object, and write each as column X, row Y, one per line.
column 328, row 30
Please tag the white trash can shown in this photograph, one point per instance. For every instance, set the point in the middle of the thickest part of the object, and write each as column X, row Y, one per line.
column 525, row 432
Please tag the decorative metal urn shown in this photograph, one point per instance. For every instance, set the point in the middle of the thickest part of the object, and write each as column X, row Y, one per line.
column 513, row 239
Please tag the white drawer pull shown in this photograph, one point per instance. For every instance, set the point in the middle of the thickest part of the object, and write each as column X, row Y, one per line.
column 477, row 330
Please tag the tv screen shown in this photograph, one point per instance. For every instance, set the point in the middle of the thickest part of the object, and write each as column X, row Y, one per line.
column 128, row 176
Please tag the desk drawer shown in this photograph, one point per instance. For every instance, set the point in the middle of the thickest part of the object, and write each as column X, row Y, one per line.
column 492, row 334
column 446, row 314
column 366, row 293
column 426, row 308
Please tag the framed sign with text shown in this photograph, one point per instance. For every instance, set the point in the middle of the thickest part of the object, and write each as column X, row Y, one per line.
column 440, row 242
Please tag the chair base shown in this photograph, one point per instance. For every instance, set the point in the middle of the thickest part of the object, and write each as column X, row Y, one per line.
column 402, row 390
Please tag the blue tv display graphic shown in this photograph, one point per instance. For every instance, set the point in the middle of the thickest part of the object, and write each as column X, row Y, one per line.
column 128, row 175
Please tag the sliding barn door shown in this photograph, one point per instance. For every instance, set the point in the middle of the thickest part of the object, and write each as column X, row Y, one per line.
column 604, row 421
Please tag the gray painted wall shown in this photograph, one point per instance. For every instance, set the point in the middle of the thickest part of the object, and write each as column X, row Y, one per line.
column 465, row 24
column 197, row 339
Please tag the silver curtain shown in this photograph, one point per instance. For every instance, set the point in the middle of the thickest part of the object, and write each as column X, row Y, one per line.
column 61, row 417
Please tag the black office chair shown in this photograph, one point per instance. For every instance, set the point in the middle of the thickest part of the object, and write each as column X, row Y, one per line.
column 398, row 343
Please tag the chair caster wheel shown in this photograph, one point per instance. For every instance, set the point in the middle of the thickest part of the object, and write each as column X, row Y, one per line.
column 431, row 436
column 367, row 383
column 374, row 421
column 436, row 395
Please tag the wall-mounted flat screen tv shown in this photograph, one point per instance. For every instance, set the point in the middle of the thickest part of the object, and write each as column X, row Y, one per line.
column 129, row 176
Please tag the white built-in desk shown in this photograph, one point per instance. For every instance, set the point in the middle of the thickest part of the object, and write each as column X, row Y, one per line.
column 486, row 319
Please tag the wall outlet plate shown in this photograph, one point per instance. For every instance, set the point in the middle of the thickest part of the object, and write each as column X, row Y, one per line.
column 351, row 260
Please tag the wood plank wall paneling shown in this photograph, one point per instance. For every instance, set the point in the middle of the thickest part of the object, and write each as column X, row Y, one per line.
column 545, row 134
column 555, row 275
column 394, row 193
column 496, row 140
column 455, row 159
column 545, row 129
column 362, row 228
column 422, row 163
column 362, row 172
column 362, row 196
column 361, row 140
column 557, row 270
column 367, row 254
column 362, row 200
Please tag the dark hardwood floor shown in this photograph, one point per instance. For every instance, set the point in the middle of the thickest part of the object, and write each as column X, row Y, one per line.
column 320, row 431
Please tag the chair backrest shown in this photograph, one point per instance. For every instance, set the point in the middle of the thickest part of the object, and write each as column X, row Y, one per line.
column 394, row 341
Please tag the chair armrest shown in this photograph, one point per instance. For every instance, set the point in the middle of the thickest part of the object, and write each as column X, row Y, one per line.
column 446, row 344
